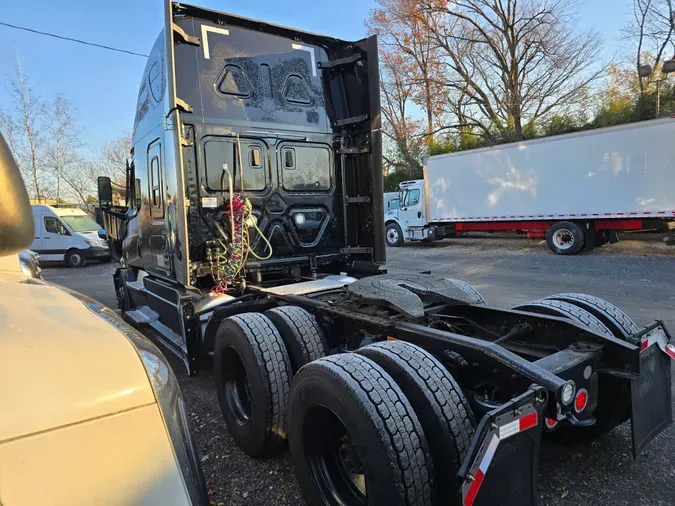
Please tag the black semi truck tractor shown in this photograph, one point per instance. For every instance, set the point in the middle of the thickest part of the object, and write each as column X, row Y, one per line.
column 253, row 236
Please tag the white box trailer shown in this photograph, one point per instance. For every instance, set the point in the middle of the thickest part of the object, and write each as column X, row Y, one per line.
column 577, row 190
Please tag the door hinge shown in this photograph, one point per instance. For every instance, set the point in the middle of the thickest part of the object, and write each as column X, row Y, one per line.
column 179, row 35
column 329, row 64
column 182, row 105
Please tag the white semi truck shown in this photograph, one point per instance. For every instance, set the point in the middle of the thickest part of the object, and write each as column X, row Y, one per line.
column 576, row 190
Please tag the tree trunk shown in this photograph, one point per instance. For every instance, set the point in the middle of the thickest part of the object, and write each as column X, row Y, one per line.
column 430, row 116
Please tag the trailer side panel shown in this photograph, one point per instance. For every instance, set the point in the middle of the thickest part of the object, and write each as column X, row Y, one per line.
column 617, row 172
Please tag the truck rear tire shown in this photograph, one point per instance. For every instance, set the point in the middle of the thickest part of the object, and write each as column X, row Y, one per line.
column 353, row 432
column 301, row 334
column 394, row 235
column 613, row 396
column 566, row 310
column 565, row 238
column 613, row 393
column 440, row 405
column 253, row 375
column 470, row 290
column 616, row 320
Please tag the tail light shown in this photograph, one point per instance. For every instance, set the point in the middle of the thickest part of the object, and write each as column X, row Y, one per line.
column 581, row 400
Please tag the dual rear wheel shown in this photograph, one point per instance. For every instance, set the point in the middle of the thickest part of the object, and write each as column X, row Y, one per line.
column 385, row 425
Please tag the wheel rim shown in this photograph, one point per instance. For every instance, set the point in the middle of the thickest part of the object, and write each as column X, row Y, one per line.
column 75, row 259
column 237, row 389
column 392, row 236
column 563, row 239
column 333, row 459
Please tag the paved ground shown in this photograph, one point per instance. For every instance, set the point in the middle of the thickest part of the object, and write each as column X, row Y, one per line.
column 637, row 276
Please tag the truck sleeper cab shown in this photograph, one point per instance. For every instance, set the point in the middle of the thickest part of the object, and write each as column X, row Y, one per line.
column 256, row 235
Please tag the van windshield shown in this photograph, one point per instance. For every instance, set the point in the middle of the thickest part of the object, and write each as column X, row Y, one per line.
column 81, row 223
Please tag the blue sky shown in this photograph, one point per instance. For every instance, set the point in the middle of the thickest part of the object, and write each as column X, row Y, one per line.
column 103, row 85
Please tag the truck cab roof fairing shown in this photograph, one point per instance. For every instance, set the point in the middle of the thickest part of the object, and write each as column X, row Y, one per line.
column 152, row 91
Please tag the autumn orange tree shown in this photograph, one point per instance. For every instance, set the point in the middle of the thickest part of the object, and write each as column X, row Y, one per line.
column 413, row 101
column 405, row 41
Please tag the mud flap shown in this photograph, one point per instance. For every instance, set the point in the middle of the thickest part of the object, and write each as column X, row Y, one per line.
column 501, row 467
column 651, row 392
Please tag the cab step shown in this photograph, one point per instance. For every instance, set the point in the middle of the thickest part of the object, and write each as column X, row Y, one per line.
column 142, row 315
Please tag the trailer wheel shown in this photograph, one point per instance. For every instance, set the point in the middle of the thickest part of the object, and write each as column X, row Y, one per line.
column 613, row 393
column 301, row 334
column 565, row 238
column 566, row 310
column 616, row 320
column 253, row 374
column 601, row 238
column 394, row 235
column 440, row 405
column 470, row 290
column 355, row 438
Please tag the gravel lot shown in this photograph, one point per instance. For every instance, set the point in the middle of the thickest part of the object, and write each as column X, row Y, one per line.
column 637, row 276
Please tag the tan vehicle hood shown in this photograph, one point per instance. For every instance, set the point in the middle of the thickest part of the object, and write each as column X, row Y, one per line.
column 60, row 364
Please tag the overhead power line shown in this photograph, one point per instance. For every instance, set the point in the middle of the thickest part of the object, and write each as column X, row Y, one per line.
column 109, row 48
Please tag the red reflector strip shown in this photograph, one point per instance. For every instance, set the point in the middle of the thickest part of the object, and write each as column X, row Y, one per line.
column 473, row 490
column 670, row 350
column 644, row 345
column 528, row 421
column 517, row 426
column 505, row 431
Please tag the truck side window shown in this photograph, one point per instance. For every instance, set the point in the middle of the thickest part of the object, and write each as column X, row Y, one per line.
column 54, row 226
column 412, row 198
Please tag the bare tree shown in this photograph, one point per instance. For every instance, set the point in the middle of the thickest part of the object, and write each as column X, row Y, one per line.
column 80, row 181
column 24, row 127
column 113, row 157
column 653, row 28
column 64, row 140
column 513, row 61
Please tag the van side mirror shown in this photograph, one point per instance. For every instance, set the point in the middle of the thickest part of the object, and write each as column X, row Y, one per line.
column 105, row 192
column 16, row 216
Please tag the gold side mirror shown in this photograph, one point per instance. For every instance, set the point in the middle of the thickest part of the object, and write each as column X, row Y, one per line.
column 16, row 215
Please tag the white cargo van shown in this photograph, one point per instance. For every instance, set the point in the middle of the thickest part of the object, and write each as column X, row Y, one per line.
column 67, row 234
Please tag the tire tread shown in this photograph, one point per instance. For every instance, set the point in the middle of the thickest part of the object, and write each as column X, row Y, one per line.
column 306, row 331
column 270, row 350
column 619, row 322
column 395, row 418
column 566, row 310
column 469, row 290
column 450, row 403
